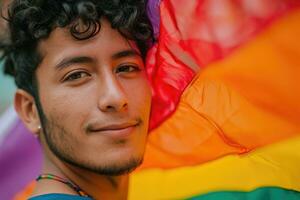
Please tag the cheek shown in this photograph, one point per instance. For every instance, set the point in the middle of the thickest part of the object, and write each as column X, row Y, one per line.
column 65, row 106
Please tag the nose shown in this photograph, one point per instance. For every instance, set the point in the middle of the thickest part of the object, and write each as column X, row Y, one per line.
column 113, row 97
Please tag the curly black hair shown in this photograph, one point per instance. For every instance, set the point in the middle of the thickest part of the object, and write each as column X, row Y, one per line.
column 30, row 21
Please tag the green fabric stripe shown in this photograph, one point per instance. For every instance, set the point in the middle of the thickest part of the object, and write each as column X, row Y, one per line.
column 265, row 193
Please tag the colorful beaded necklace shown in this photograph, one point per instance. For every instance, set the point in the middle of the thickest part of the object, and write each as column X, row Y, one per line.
column 67, row 182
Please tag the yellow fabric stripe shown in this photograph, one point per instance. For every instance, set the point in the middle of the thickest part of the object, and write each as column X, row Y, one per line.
column 276, row 165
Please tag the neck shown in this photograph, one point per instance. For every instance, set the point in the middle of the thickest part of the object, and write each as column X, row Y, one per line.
column 96, row 185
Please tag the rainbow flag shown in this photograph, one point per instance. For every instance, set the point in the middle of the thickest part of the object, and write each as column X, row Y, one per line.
column 226, row 104
column 225, row 118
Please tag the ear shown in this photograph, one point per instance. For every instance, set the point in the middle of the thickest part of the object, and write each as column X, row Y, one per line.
column 25, row 106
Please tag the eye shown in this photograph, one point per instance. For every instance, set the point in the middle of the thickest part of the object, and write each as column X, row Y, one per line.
column 127, row 69
column 76, row 76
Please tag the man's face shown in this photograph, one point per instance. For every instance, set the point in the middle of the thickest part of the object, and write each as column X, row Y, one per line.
column 96, row 100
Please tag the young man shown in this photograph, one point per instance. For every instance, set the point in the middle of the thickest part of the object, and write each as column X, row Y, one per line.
column 82, row 91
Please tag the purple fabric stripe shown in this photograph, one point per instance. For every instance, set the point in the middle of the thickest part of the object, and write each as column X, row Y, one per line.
column 153, row 13
column 20, row 160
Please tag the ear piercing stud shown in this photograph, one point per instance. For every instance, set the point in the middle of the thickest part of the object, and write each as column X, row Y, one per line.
column 39, row 129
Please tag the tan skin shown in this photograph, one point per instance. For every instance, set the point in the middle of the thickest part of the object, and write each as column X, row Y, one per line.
column 96, row 98
column 3, row 24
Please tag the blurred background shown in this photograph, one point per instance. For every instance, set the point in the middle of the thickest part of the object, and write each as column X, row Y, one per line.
column 7, row 89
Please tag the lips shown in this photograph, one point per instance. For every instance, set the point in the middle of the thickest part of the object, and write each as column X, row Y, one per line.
column 117, row 131
column 114, row 127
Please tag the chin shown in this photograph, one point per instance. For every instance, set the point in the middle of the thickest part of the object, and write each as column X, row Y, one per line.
column 117, row 161
column 125, row 162
column 119, row 167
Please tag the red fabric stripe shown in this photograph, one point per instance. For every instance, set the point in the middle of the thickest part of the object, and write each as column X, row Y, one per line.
column 203, row 32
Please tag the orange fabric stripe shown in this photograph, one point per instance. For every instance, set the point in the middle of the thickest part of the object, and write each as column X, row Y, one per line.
column 249, row 99
column 26, row 193
column 276, row 165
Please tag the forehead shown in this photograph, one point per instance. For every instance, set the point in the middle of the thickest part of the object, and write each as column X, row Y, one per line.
column 61, row 43
column 3, row 9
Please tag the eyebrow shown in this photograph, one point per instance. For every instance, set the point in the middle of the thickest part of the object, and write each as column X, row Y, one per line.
column 126, row 53
column 83, row 59
column 73, row 60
